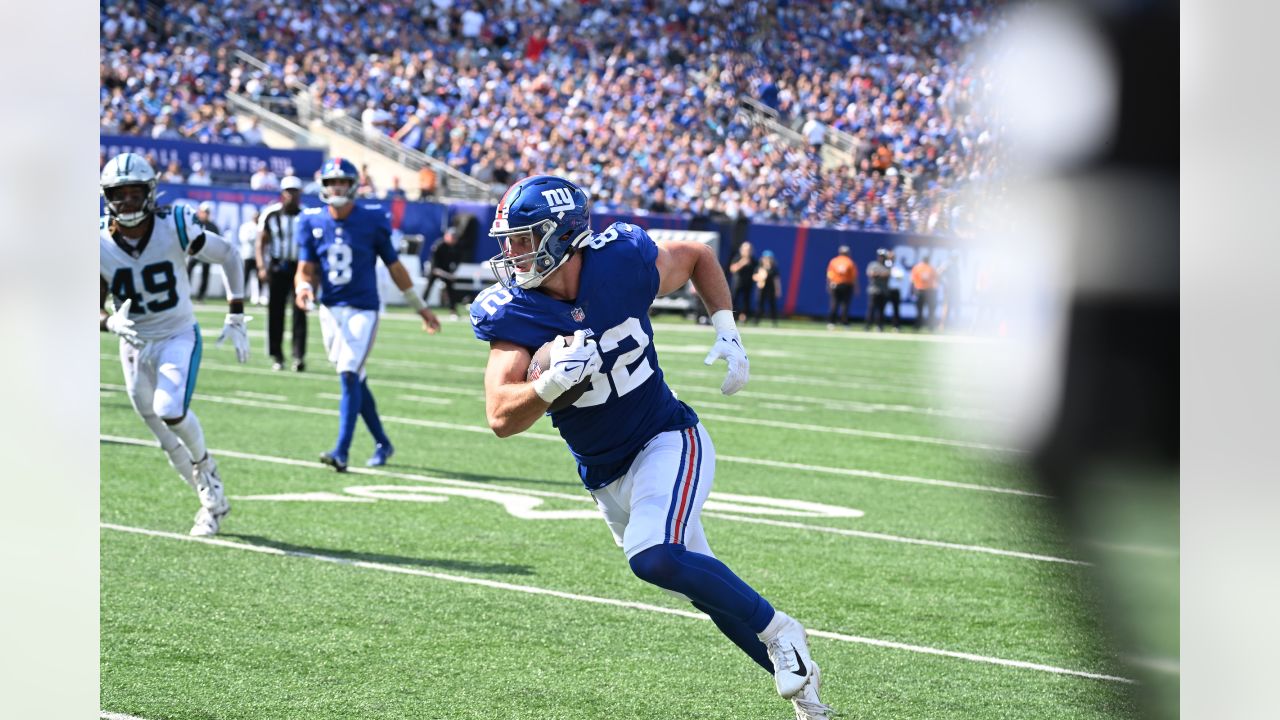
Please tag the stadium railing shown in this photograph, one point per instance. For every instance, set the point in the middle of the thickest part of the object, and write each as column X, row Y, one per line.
column 274, row 121
column 761, row 114
column 454, row 184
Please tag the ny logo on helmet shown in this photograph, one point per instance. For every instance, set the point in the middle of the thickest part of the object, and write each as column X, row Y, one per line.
column 560, row 199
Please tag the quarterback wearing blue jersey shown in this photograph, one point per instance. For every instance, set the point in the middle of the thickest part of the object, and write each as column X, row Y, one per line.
column 644, row 456
column 338, row 248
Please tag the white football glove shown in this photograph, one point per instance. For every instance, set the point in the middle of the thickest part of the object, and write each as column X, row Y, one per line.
column 234, row 328
column 120, row 324
column 570, row 365
column 729, row 346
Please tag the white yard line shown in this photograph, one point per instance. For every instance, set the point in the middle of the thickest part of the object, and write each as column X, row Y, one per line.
column 899, row 437
column 531, row 590
column 261, row 396
column 545, row 437
column 104, row 715
column 428, row 400
column 584, row 498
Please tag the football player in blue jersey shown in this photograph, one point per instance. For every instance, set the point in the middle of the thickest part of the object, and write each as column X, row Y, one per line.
column 338, row 248
column 643, row 454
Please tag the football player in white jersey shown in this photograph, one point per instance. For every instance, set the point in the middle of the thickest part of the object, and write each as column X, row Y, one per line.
column 142, row 265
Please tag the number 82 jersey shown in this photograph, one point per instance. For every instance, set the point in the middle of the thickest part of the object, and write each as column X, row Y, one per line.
column 629, row 402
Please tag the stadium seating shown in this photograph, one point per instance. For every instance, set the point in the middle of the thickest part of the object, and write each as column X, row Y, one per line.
column 639, row 102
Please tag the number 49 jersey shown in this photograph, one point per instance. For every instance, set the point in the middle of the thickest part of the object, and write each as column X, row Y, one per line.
column 153, row 274
column 628, row 402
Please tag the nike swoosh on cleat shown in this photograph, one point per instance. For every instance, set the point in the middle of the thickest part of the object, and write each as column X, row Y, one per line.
column 800, row 663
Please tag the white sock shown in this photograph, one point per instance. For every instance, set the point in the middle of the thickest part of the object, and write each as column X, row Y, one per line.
column 179, row 457
column 775, row 624
column 192, row 435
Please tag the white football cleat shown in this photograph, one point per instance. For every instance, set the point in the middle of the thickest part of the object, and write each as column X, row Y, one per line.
column 807, row 704
column 788, row 648
column 213, row 502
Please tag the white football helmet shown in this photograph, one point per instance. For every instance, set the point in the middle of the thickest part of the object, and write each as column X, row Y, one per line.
column 128, row 169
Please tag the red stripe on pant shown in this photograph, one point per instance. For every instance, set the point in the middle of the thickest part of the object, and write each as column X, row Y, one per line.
column 686, row 502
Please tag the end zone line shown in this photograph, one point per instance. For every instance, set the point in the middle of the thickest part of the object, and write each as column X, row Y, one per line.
column 531, row 590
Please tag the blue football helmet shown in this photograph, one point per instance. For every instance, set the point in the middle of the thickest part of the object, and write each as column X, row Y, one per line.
column 338, row 169
column 553, row 214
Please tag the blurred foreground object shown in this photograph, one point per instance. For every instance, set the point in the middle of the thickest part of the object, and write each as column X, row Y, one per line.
column 1074, row 268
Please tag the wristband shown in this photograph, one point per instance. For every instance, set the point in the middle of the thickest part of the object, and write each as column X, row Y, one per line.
column 413, row 300
column 546, row 389
column 304, row 286
column 723, row 322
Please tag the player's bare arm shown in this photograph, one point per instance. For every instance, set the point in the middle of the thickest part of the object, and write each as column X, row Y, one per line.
column 304, row 280
column 680, row 261
column 401, row 278
column 510, row 402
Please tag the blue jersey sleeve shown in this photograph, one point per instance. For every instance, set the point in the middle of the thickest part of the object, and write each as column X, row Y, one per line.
column 305, row 239
column 648, row 260
column 513, row 316
column 382, row 244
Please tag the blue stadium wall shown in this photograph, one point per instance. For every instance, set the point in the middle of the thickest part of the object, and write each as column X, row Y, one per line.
column 802, row 252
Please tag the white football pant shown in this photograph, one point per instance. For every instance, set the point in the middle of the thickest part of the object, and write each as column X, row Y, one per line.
column 348, row 336
column 660, row 498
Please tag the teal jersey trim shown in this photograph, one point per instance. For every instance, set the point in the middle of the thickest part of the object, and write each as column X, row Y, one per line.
column 193, row 368
column 180, row 220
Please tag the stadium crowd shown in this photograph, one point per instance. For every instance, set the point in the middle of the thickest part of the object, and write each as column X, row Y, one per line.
column 637, row 101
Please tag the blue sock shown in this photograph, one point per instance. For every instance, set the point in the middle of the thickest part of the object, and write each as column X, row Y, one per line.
column 704, row 580
column 369, row 411
column 348, row 411
column 741, row 635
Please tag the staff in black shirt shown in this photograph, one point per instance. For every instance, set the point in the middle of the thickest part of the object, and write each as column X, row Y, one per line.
column 277, row 256
column 445, row 258
column 766, row 278
column 743, row 270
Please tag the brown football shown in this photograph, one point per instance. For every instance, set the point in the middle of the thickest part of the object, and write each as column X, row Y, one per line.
column 541, row 360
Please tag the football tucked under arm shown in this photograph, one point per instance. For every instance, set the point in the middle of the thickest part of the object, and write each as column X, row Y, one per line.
column 541, row 363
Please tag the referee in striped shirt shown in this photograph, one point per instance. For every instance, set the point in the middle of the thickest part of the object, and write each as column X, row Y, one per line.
column 277, row 256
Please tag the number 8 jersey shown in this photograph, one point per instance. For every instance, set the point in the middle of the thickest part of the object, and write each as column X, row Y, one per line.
column 153, row 272
column 348, row 252
column 628, row 402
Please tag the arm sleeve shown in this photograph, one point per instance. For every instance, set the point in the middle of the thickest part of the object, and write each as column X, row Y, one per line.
column 382, row 243
column 305, row 240
column 218, row 250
